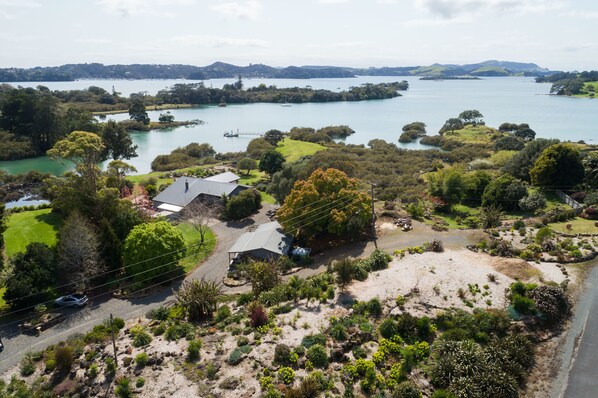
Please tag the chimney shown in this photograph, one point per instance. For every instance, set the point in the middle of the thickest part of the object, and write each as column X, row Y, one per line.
column 186, row 185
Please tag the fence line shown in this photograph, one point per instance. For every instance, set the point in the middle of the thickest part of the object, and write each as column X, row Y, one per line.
column 570, row 201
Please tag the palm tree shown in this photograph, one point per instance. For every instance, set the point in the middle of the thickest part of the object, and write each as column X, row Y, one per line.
column 296, row 283
column 199, row 298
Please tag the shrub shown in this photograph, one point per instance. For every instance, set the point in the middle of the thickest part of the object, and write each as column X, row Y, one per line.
column 258, row 316
column 374, row 307
column 532, row 202
column 110, row 367
column 49, row 365
column 388, row 328
column 141, row 339
column 543, row 235
column 237, row 355
column 63, row 355
column 345, row 271
column 522, row 304
column 123, row 387
column 318, row 356
column 282, row 354
column 193, row 350
column 379, row 260
column 435, row 246
column 140, row 382
column 222, row 313
column 443, row 394
column 406, row 390
column 141, row 359
column 27, row 367
column 159, row 314
column 93, row 370
column 338, row 332
column 313, row 339
column 551, row 301
column 286, row 375
column 242, row 340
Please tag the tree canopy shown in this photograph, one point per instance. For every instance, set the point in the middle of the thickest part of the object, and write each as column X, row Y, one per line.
column 152, row 252
column 271, row 161
column 328, row 201
column 558, row 166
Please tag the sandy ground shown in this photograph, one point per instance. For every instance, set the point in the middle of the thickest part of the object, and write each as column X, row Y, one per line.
column 431, row 281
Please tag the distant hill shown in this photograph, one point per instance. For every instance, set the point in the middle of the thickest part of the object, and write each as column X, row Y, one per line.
column 223, row 70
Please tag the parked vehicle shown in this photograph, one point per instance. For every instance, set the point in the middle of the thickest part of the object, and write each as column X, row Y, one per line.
column 1, row 345
column 72, row 300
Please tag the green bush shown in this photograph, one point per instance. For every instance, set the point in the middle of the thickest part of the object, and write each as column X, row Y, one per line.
column 338, row 332
column 443, row 394
column 141, row 339
column 123, row 387
column 318, row 356
column 27, row 367
column 160, row 314
column 282, row 354
column 406, row 390
column 313, row 339
column 286, row 375
column 63, row 355
column 522, row 304
column 379, row 260
column 222, row 313
column 237, row 355
column 140, row 382
column 374, row 307
column 242, row 340
column 49, row 365
column 118, row 323
column 193, row 350
column 141, row 359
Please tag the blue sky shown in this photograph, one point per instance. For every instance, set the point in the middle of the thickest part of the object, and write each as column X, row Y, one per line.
column 558, row 34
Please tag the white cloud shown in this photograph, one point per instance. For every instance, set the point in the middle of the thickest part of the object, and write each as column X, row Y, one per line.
column 127, row 8
column 5, row 15
column 449, row 9
column 332, row 1
column 580, row 14
column 19, row 3
column 93, row 41
column 217, row 41
column 250, row 9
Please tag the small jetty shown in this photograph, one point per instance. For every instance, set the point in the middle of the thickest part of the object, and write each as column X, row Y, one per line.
column 238, row 134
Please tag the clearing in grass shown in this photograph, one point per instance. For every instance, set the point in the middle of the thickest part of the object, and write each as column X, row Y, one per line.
column 293, row 150
column 196, row 254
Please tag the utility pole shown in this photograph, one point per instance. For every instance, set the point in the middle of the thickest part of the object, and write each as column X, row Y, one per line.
column 113, row 340
column 373, row 218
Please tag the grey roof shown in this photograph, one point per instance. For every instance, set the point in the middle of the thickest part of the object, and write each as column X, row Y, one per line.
column 267, row 236
column 176, row 194
column 227, row 176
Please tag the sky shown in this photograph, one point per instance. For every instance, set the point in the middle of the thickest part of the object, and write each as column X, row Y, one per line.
column 556, row 34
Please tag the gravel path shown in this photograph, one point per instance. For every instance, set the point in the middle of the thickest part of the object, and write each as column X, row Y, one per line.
column 213, row 268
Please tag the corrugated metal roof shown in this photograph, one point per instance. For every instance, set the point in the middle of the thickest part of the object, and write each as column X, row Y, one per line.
column 267, row 236
column 227, row 176
column 177, row 194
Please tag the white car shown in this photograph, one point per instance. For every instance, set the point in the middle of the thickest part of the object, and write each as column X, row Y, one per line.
column 72, row 300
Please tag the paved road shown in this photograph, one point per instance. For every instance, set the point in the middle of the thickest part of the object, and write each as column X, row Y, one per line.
column 214, row 268
column 579, row 373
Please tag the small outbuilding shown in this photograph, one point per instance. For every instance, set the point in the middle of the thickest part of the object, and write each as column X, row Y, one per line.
column 264, row 242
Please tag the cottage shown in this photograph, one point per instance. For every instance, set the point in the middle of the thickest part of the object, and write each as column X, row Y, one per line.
column 188, row 189
column 265, row 242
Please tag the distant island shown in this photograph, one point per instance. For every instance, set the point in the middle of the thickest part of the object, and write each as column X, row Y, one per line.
column 219, row 70
column 574, row 84
column 450, row 78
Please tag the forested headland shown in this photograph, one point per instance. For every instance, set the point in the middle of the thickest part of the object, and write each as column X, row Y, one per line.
column 582, row 84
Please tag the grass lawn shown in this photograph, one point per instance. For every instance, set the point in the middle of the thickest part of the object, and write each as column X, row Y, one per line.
column 587, row 93
column 159, row 175
column 251, row 178
column 195, row 254
column 579, row 226
column 31, row 226
column 474, row 134
column 293, row 150
column 499, row 158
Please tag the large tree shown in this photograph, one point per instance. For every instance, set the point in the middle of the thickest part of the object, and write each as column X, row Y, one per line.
column 79, row 259
column 271, row 161
column 504, row 192
column 117, row 142
column 152, row 252
column 472, row 116
column 521, row 163
column 559, row 166
column 137, row 111
column 32, row 276
column 328, row 201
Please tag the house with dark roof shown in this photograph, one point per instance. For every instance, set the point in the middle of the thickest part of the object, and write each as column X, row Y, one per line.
column 188, row 189
column 265, row 242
